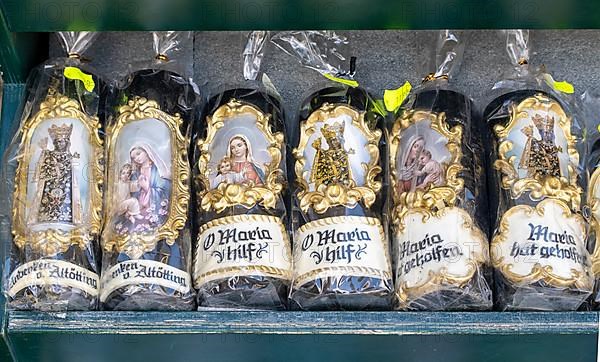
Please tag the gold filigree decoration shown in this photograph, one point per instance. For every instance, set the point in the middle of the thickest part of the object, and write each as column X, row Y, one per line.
column 135, row 244
column 230, row 194
column 562, row 188
column 255, row 269
column 435, row 281
column 538, row 272
column 343, row 192
column 432, row 197
column 50, row 242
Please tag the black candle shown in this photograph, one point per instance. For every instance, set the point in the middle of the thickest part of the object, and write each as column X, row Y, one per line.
column 56, row 162
column 440, row 205
column 593, row 200
column 243, row 256
column 146, row 238
column 341, row 250
column 539, row 247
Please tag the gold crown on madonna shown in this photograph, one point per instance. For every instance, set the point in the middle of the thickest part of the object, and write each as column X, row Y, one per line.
column 543, row 123
column 332, row 131
column 60, row 132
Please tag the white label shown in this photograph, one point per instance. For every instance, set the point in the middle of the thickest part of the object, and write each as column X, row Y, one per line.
column 45, row 272
column 547, row 238
column 144, row 272
column 337, row 246
column 242, row 245
column 446, row 245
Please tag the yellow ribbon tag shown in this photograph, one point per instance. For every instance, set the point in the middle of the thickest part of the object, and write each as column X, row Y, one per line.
column 351, row 83
column 378, row 107
column 393, row 98
column 563, row 86
column 76, row 73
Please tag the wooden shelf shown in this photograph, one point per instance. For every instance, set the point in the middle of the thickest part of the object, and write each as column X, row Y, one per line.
column 301, row 336
column 343, row 323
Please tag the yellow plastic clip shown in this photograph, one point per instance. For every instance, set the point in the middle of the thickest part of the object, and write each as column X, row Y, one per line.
column 393, row 98
column 76, row 73
column 348, row 82
column 563, row 86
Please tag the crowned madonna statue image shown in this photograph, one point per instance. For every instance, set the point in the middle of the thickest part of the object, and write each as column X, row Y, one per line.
column 57, row 194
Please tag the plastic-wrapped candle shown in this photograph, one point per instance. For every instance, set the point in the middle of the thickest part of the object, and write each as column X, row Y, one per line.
column 539, row 249
column 243, row 252
column 438, row 191
column 341, row 251
column 146, row 239
column 56, row 162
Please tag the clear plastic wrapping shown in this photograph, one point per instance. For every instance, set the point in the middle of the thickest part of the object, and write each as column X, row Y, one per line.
column 341, row 251
column 590, row 106
column 254, row 53
column 438, row 193
column 146, row 240
column 536, row 178
column 445, row 57
column 243, row 250
column 54, row 175
column 324, row 51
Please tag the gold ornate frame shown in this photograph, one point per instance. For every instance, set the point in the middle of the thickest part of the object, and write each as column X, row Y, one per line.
column 326, row 196
column 562, row 188
column 434, row 281
column 227, row 195
column 431, row 198
column 538, row 272
column 53, row 241
column 135, row 244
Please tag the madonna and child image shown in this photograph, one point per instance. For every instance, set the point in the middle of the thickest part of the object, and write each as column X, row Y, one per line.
column 238, row 154
column 422, row 158
column 142, row 177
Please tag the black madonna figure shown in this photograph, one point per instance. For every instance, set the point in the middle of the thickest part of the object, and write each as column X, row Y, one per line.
column 341, row 251
column 536, row 152
column 55, row 207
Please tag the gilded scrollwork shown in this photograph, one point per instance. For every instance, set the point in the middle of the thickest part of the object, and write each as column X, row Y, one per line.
column 478, row 255
column 135, row 243
column 330, row 173
column 431, row 197
column 550, row 182
column 248, row 193
column 537, row 272
column 85, row 224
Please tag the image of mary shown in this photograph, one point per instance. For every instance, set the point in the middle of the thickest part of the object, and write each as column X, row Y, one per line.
column 239, row 150
column 150, row 185
column 409, row 164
